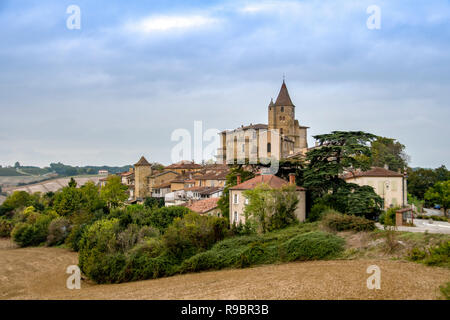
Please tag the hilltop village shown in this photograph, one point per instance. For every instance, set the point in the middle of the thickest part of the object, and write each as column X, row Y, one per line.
column 200, row 186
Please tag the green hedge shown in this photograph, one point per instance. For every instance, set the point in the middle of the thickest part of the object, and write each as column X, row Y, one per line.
column 343, row 222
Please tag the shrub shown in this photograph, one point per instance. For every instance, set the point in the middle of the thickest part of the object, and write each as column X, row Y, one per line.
column 445, row 290
column 341, row 222
column 435, row 218
column 432, row 256
column 98, row 243
column 32, row 233
column 313, row 246
column 128, row 238
column 186, row 236
column 163, row 217
column 73, row 240
column 6, row 227
column 147, row 232
column 58, row 230
column 388, row 217
column 316, row 211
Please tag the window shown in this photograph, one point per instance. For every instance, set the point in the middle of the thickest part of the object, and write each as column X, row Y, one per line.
column 235, row 217
column 282, row 109
column 236, row 199
column 243, row 147
column 246, row 201
column 269, row 147
column 281, row 130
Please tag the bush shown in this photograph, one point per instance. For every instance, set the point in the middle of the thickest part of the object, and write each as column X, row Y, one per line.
column 316, row 211
column 58, row 231
column 312, row 246
column 342, row 222
column 99, row 244
column 186, row 236
column 73, row 240
column 388, row 217
column 6, row 227
column 433, row 256
column 33, row 232
column 435, row 218
column 163, row 217
column 445, row 290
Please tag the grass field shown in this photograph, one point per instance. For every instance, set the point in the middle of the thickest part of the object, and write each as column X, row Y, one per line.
column 9, row 172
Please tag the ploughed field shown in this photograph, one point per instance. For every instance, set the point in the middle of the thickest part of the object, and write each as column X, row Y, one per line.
column 39, row 273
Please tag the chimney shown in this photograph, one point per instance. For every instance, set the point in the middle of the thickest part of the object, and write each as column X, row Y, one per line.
column 292, row 178
column 238, row 178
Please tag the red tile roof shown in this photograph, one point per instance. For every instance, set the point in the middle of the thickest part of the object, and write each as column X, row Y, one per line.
column 374, row 172
column 272, row 180
column 203, row 206
column 184, row 165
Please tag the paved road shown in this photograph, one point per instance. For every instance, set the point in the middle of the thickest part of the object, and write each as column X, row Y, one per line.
column 422, row 225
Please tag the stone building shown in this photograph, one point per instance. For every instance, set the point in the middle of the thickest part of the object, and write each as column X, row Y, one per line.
column 282, row 137
column 391, row 186
column 238, row 201
column 142, row 170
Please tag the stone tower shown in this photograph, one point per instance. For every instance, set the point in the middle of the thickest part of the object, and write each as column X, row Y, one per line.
column 142, row 170
column 282, row 113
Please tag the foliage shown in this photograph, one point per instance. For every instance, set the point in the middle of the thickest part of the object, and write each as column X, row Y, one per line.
column 342, row 222
column 312, row 246
column 187, row 235
column 336, row 152
column 440, row 194
column 154, row 202
column 293, row 243
column 270, row 208
column 114, row 193
column 445, row 290
column 6, row 227
column 163, row 217
column 231, row 181
column 432, row 256
column 17, row 200
column 34, row 231
column 68, row 201
column 58, row 231
column 388, row 217
column 420, row 180
column 317, row 210
column 91, row 197
column 435, row 218
column 386, row 151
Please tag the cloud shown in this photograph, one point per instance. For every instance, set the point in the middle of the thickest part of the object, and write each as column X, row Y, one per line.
column 166, row 23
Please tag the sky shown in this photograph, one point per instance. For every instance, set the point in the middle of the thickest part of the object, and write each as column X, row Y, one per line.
column 135, row 72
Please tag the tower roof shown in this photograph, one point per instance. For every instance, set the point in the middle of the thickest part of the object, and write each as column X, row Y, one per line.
column 142, row 162
column 283, row 97
column 271, row 103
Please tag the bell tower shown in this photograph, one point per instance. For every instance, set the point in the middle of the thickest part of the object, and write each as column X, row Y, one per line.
column 282, row 113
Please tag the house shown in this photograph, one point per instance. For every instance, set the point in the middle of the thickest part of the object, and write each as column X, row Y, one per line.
column 205, row 206
column 183, row 196
column 212, row 179
column 282, row 137
column 160, row 178
column 238, row 201
column 184, row 167
column 103, row 172
column 391, row 186
column 161, row 190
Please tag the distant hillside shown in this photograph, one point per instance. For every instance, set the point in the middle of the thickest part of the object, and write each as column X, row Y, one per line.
column 9, row 172
column 65, row 170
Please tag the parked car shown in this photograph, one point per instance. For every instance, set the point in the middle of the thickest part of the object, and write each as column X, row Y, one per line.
column 436, row 206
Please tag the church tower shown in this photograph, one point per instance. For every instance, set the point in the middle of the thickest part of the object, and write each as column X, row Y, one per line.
column 282, row 113
column 142, row 170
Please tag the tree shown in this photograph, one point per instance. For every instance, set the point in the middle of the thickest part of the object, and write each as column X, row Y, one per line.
column 420, row 180
column 224, row 201
column 72, row 183
column 387, row 151
column 114, row 193
column 68, row 201
column 270, row 209
column 440, row 194
column 336, row 152
column 92, row 199
column 17, row 165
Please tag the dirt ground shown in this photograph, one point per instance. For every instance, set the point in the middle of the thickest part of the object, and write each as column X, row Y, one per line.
column 39, row 273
